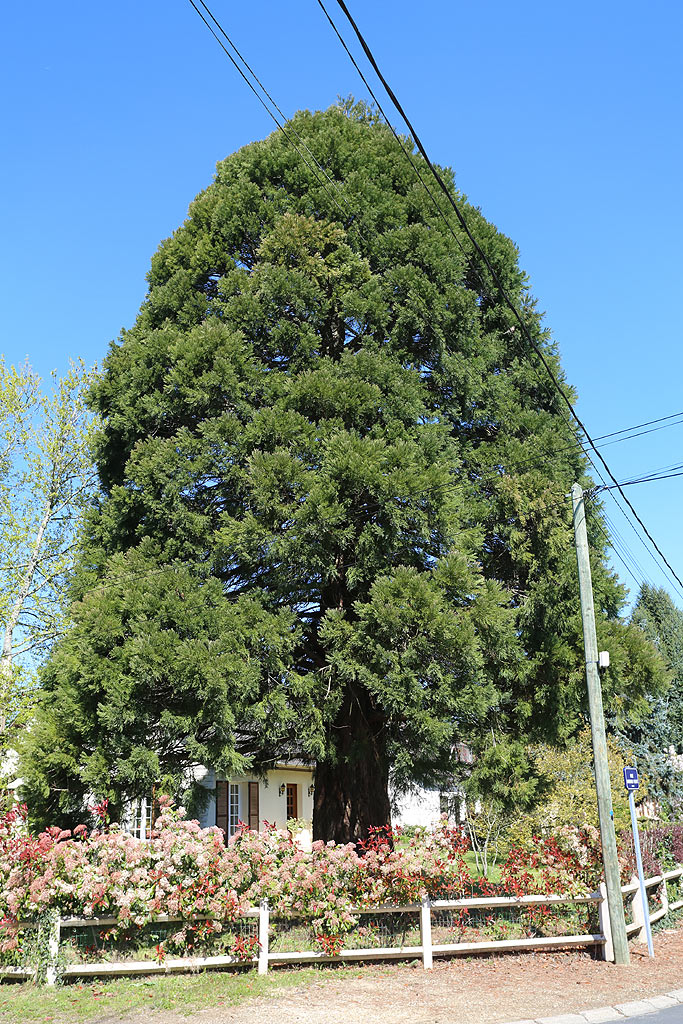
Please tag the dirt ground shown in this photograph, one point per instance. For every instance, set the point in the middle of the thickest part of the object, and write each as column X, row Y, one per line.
column 456, row 991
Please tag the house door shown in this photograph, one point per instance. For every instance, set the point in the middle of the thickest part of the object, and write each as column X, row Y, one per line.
column 292, row 800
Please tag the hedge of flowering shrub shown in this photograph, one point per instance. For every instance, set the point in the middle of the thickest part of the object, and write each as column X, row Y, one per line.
column 188, row 872
column 661, row 849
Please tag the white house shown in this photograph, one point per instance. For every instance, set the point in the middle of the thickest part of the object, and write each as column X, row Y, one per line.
column 423, row 806
column 284, row 794
column 9, row 780
column 418, row 806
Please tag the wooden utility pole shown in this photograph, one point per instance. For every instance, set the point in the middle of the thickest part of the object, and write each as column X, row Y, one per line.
column 610, row 861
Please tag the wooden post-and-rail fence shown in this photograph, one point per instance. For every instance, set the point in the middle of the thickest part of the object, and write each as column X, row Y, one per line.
column 52, row 969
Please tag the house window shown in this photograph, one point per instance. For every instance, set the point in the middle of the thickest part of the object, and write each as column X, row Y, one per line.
column 145, row 812
column 233, row 808
column 292, row 801
column 228, row 807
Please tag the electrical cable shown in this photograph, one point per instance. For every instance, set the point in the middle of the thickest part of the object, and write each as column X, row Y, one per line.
column 263, row 103
column 416, row 170
column 487, row 263
column 668, row 468
column 650, row 479
column 674, row 585
column 406, row 152
column 647, row 423
column 265, row 91
column 618, row 542
column 611, row 535
column 574, row 446
column 628, row 437
column 482, row 255
column 546, row 453
column 347, row 211
column 631, row 567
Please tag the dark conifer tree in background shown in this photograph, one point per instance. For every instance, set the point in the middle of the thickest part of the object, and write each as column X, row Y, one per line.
column 654, row 740
column 334, row 520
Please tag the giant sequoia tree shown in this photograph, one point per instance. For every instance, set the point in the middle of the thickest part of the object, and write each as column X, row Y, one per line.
column 325, row 438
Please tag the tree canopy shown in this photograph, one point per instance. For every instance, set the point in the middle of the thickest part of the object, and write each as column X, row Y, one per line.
column 658, row 735
column 328, row 433
column 46, row 477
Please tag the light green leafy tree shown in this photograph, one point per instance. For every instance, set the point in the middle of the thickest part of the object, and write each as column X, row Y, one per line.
column 568, row 788
column 46, row 479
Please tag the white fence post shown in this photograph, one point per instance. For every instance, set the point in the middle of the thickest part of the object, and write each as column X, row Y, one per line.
column 53, row 936
column 263, row 928
column 426, row 932
column 665, row 898
column 638, row 915
column 605, row 925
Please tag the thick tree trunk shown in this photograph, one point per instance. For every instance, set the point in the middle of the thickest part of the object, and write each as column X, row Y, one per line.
column 352, row 792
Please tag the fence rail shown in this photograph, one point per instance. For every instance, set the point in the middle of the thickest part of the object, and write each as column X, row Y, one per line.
column 425, row 950
column 632, row 890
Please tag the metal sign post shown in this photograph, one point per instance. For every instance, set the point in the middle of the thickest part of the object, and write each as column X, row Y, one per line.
column 632, row 784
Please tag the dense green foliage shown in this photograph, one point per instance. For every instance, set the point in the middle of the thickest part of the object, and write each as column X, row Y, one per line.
column 569, row 798
column 333, row 430
column 652, row 740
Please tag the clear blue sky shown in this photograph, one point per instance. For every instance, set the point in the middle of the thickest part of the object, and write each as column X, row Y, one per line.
column 563, row 122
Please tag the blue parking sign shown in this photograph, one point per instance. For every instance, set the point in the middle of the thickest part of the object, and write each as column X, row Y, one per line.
column 631, row 778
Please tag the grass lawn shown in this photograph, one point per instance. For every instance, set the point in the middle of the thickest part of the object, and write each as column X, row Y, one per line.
column 184, row 993
column 494, row 872
column 470, row 860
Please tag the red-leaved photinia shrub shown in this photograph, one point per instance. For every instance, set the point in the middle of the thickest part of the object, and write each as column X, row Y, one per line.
column 429, row 862
column 677, row 843
column 185, row 871
column 567, row 862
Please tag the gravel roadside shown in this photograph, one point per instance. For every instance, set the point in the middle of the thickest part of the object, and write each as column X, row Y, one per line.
column 473, row 991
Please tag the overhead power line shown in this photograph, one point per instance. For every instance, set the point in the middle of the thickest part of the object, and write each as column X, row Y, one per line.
column 485, row 260
column 626, row 432
column 290, row 132
column 649, row 478
column 270, row 98
column 623, row 553
column 647, row 423
column 265, row 106
column 408, row 155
